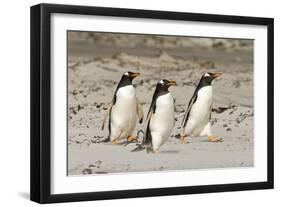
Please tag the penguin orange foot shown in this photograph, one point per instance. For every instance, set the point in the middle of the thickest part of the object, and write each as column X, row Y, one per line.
column 156, row 151
column 213, row 139
column 114, row 142
column 131, row 138
column 182, row 138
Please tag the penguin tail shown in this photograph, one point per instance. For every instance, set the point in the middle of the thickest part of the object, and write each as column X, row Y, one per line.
column 105, row 140
column 145, row 144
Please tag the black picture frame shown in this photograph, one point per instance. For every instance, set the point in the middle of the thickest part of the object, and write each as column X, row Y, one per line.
column 41, row 102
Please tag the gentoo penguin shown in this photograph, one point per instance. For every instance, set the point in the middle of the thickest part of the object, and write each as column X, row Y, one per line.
column 123, row 110
column 196, row 121
column 160, row 119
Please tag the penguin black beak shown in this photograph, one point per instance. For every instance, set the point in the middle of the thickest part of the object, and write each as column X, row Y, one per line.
column 216, row 75
column 134, row 75
column 171, row 83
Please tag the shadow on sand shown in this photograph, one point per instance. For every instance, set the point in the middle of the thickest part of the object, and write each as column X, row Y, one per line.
column 169, row 152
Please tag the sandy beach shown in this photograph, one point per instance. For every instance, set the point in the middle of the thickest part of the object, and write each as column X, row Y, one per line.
column 96, row 62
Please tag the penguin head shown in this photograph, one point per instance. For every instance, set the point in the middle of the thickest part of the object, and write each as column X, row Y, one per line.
column 130, row 75
column 127, row 78
column 207, row 78
column 164, row 84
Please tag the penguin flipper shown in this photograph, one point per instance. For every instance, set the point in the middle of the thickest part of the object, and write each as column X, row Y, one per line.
column 187, row 111
column 106, row 114
column 147, row 139
column 139, row 111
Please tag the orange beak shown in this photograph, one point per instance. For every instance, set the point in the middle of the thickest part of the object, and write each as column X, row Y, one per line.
column 134, row 75
column 171, row 83
column 216, row 75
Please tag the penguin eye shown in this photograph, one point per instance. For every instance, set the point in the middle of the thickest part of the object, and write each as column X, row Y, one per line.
column 126, row 73
column 207, row 75
column 161, row 82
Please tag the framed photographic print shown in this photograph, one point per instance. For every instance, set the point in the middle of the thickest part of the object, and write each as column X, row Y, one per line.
column 132, row 103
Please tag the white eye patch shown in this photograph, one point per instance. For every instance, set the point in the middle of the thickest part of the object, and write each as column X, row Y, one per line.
column 126, row 73
column 161, row 82
column 206, row 74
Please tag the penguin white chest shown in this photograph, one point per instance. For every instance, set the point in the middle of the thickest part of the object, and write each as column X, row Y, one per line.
column 163, row 120
column 204, row 98
column 201, row 110
column 123, row 114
